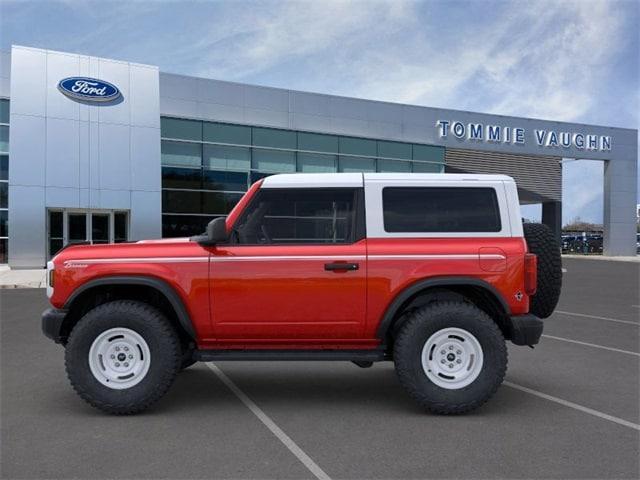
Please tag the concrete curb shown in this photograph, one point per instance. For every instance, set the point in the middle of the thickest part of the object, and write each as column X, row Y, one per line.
column 23, row 278
column 601, row 258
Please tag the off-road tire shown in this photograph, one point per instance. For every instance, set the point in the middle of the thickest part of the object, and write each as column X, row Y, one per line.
column 543, row 243
column 418, row 328
column 158, row 333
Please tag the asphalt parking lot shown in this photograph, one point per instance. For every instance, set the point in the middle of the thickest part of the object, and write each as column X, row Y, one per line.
column 569, row 409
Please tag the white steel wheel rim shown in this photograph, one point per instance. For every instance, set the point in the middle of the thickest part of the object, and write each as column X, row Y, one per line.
column 452, row 358
column 119, row 358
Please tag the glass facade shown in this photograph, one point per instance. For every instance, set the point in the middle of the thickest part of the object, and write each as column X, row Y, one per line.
column 207, row 166
column 4, row 180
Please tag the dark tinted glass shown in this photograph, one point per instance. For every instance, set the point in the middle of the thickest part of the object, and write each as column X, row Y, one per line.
column 4, row 111
column 77, row 227
column 217, row 180
column 183, row 129
column 394, row 150
column 228, row 158
column 224, row 133
column 177, row 201
column 4, row 167
column 174, row 177
column 54, row 246
column 181, row 153
column 3, row 251
column 271, row 137
column 4, row 138
column 428, row 153
column 358, row 146
column 219, row 203
column 184, row 225
column 298, row 216
column 255, row 176
column 120, row 227
column 99, row 228
column 4, row 228
column 440, row 209
column 4, row 193
column 55, row 224
column 317, row 143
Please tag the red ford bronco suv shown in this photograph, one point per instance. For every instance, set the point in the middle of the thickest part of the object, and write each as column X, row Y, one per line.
column 431, row 271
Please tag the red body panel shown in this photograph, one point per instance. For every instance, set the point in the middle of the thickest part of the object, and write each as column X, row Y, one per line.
column 282, row 296
column 389, row 277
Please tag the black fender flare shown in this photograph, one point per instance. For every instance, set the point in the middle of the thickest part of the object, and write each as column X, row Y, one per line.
column 160, row 285
column 402, row 297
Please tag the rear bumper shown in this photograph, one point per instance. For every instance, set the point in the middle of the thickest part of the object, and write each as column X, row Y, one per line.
column 526, row 329
column 52, row 320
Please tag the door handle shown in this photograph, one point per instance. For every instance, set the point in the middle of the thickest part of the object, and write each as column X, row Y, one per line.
column 341, row 266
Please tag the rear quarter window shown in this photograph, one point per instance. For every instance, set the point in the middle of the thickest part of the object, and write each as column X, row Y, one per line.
column 440, row 209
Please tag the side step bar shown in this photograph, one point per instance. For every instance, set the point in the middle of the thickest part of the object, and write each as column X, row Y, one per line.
column 376, row 355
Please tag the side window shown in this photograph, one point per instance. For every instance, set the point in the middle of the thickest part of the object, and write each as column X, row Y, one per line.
column 298, row 216
column 440, row 209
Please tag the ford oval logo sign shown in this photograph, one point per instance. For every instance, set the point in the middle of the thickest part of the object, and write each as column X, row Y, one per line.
column 88, row 89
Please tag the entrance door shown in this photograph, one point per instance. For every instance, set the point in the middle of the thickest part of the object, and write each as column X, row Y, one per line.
column 80, row 226
column 100, row 228
column 294, row 271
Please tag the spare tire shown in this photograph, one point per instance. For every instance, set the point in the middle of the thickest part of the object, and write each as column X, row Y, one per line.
column 543, row 243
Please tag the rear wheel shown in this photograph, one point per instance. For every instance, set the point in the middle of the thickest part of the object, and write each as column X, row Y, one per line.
column 450, row 356
column 543, row 244
column 122, row 356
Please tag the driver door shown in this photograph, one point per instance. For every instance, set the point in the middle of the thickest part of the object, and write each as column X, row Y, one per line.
column 294, row 271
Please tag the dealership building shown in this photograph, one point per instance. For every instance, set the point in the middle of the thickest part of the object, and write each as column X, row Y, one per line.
column 100, row 150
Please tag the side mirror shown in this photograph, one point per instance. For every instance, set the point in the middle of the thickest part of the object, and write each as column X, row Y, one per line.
column 217, row 230
column 216, row 233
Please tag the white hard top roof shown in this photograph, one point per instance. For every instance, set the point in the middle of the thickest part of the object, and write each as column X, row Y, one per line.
column 357, row 179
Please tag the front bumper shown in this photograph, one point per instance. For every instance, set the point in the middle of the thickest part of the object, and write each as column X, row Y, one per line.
column 52, row 320
column 526, row 329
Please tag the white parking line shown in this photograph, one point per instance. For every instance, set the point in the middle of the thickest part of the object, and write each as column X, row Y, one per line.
column 564, row 270
column 270, row 424
column 608, row 319
column 592, row 345
column 575, row 406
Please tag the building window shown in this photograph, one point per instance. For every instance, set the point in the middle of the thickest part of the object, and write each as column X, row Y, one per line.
column 317, row 163
column 4, row 180
column 227, row 158
column 207, row 165
column 181, row 129
column 274, row 138
column 225, row 133
column 394, row 150
column 221, row 180
column 279, row 161
column 120, row 227
column 4, row 138
column 358, row 146
column 423, row 167
column 394, row 166
column 357, row 164
column 81, row 226
column 181, row 153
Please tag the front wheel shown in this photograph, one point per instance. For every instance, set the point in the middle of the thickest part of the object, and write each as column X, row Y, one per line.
column 123, row 356
column 450, row 356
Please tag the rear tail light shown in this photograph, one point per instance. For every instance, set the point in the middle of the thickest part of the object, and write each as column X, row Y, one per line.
column 530, row 273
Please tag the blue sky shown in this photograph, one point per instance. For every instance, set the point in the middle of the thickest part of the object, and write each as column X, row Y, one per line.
column 562, row 60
